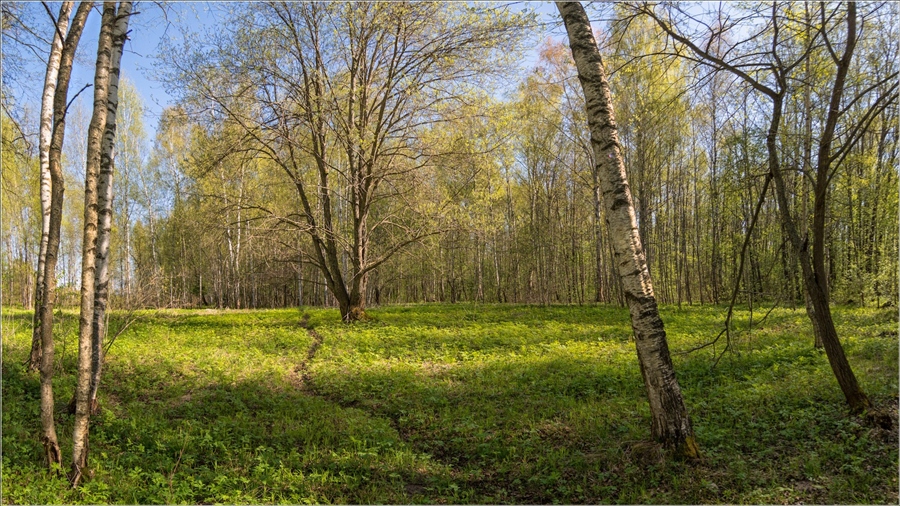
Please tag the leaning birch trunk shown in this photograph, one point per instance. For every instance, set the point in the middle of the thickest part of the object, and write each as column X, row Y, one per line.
column 105, row 196
column 671, row 425
column 48, row 425
column 89, row 245
column 46, row 132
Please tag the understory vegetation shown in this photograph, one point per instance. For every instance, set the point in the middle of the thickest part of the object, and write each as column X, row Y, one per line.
column 455, row 404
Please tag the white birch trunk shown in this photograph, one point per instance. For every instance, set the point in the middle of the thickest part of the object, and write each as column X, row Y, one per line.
column 671, row 425
column 89, row 245
column 49, row 438
column 45, row 135
column 105, row 196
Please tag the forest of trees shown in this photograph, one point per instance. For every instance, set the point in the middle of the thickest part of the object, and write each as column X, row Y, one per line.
column 493, row 197
column 359, row 154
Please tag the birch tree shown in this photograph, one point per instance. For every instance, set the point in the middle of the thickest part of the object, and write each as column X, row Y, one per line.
column 54, row 166
column 113, row 27
column 61, row 26
column 105, row 197
column 670, row 425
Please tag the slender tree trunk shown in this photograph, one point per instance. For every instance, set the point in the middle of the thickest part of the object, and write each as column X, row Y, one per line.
column 46, row 133
column 671, row 425
column 105, row 196
column 599, row 295
column 57, row 184
column 807, row 166
column 89, row 245
column 126, row 253
column 814, row 274
column 819, row 309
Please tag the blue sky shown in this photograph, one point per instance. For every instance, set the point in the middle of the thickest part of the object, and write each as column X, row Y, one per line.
column 147, row 31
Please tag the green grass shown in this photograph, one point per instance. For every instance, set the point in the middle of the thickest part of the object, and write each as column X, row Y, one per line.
column 456, row 404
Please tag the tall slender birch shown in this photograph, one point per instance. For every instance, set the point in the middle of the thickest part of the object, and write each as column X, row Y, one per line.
column 61, row 26
column 105, row 196
column 671, row 425
column 67, row 56
column 89, row 244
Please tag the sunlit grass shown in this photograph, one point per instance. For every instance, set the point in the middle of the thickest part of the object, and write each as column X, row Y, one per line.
column 457, row 404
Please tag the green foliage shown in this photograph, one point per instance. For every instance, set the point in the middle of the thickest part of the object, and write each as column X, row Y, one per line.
column 456, row 404
column 21, row 211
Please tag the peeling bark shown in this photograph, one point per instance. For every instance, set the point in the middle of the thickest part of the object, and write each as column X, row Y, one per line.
column 49, row 438
column 89, row 248
column 670, row 425
column 46, row 133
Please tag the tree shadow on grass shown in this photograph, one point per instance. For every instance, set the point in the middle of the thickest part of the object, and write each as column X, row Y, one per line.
column 537, row 431
column 493, row 427
column 264, row 437
column 573, row 429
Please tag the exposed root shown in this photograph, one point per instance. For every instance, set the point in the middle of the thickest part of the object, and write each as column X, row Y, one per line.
column 879, row 418
column 356, row 314
column 51, row 452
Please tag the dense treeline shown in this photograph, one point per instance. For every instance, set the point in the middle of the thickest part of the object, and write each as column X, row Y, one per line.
column 499, row 188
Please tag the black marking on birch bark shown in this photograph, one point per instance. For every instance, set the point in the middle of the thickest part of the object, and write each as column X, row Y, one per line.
column 619, row 202
column 602, row 125
column 598, row 108
column 584, row 46
column 610, row 144
column 635, row 272
column 598, row 103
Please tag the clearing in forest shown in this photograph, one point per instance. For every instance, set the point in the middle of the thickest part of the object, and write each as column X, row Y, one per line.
column 455, row 404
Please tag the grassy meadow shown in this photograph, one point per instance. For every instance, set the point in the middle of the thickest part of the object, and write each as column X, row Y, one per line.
column 454, row 404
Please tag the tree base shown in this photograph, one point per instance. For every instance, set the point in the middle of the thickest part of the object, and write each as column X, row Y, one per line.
column 80, row 469
column 356, row 314
column 649, row 453
column 687, row 449
column 860, row 404
column 52, row 453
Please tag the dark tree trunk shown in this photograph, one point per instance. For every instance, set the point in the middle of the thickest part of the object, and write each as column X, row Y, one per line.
column 814, row 274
